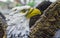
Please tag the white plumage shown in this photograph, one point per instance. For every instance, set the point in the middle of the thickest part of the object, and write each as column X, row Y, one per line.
column 18, row 24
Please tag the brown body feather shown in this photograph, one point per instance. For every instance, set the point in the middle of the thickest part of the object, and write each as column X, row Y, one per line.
column 48, row 24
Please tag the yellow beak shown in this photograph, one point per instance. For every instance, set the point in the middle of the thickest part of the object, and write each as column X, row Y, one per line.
column 33, row 12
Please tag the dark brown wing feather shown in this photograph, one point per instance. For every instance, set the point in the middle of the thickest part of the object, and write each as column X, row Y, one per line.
column 48, row 24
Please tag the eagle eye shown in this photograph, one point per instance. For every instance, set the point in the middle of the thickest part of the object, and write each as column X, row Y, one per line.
column 23, row 11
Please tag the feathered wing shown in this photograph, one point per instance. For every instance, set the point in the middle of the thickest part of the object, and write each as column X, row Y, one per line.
column 48, row 24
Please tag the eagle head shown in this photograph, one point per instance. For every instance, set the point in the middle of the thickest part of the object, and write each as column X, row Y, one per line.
column 27, row 11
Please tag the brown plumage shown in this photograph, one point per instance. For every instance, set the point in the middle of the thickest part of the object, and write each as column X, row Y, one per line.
column 48, row 24
column 3, row 26
column 42, row 6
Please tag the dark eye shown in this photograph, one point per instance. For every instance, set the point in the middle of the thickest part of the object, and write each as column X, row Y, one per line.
column 24, row 10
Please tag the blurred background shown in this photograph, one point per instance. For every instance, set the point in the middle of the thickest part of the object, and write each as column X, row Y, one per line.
column 6, row 5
